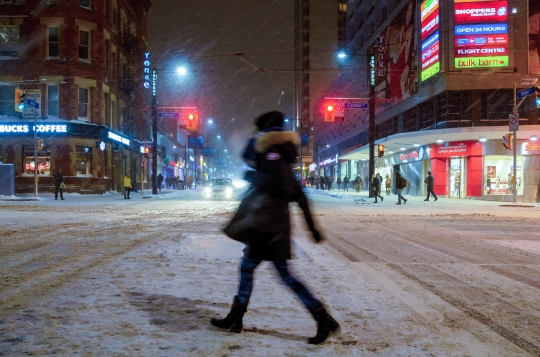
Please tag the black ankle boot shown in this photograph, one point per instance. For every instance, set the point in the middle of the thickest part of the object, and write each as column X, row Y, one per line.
column 326, row 325
column 233, row 320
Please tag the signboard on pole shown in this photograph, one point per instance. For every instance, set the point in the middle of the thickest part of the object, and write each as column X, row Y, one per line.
column 514, row 122
column 168, row 115
column 30, row 110
column 339, row 112
column 356, row 105
column 526, row 92
column 530, row 81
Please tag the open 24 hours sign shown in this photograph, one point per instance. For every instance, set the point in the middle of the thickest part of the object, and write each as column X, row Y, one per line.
column 481, row 34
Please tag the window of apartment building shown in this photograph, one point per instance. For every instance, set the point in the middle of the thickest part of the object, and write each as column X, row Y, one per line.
column 7, row 101
column 53, row 42
column 342, row 7
column 83, row 160
column 85, row 3
column 9, row 41
column 84, row 45
column 84, row 101
column 53, row 102
column 111, row 114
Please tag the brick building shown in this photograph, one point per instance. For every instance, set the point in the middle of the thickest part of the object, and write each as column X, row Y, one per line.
column 82, row 62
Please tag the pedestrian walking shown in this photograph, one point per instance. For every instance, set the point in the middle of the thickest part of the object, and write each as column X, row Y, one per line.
column 358, row 183
column 159, row 181
column 429, row 181
column 401, row 183
column 338, row 181
column 190, row 181
column 59, row 184
column 388, row 184
column 127, row 187
column 273, row 184
column 380, row 179
column 346, row 183
column 376, row 185
column 329, row 181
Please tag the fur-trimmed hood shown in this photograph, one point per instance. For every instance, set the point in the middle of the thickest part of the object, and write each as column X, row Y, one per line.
column 265, row 140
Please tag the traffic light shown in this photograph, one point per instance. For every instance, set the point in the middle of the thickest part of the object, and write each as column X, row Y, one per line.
column 192, row 121
column 381, row 150
column 329, row 112
column 41, row 144
column 19, row 100
column 508, row 141
column 147, row 151
column 537, row 92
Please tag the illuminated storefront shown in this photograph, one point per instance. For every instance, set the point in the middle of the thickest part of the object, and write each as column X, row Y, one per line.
column 481, row 34
column 80, row 151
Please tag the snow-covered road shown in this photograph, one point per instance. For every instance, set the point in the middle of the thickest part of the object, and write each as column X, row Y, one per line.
column 104, row 276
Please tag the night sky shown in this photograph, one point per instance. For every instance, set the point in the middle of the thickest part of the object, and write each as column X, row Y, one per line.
column 204, row 36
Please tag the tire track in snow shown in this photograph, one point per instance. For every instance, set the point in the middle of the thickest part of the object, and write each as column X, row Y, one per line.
column 465, row 297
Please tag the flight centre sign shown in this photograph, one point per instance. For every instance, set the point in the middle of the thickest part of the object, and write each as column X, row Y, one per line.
column 480, row 34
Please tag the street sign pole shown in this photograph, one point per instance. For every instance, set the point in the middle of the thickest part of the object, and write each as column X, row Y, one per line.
column 35, row 154
column 515, row 149
column 154, row 132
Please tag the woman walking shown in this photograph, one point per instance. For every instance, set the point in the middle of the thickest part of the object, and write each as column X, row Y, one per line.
column 268, row 237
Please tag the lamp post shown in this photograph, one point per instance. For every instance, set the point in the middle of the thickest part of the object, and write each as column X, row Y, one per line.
column 154, row 132
column 182, row 71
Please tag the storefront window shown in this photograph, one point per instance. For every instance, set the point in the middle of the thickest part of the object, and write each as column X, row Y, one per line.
column 83, row 160
column 43, row 160
column 498, row 175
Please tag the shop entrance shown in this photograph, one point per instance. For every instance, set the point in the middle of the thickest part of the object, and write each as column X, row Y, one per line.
column 456, row 182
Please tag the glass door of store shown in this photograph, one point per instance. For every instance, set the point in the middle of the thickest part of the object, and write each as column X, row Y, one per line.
column 456, row 182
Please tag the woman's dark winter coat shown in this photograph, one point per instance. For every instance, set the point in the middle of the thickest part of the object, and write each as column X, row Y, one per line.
column 58, row 178
column 271, row 153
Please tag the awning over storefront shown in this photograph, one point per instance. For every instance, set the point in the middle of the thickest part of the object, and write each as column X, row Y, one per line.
column 407, row 141
column 26, row 128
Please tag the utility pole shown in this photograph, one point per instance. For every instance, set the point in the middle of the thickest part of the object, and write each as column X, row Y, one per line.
column 36, row 178
column 371, row 128
column 154, row 132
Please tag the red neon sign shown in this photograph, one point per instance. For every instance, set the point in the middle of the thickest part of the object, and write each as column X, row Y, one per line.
column 430, row 24
column 429, row 53
column 480, row 12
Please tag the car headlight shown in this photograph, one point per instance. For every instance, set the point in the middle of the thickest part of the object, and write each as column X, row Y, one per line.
column 228, row 190
column 208, row 190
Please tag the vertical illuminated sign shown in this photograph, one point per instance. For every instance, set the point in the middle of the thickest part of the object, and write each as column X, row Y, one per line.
column 429, row 24
column 146, row 70
column 481, row 34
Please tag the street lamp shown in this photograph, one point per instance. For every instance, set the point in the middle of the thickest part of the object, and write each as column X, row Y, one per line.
column 182, row 71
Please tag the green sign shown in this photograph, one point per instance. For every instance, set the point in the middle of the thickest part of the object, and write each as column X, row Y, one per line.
column 431, row 71
column 481, row 62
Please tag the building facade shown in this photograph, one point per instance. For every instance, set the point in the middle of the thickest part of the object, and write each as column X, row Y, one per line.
column 82, row 63
column 444, row 78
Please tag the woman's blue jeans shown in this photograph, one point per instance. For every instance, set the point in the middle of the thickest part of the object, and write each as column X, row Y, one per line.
column 247, row 268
